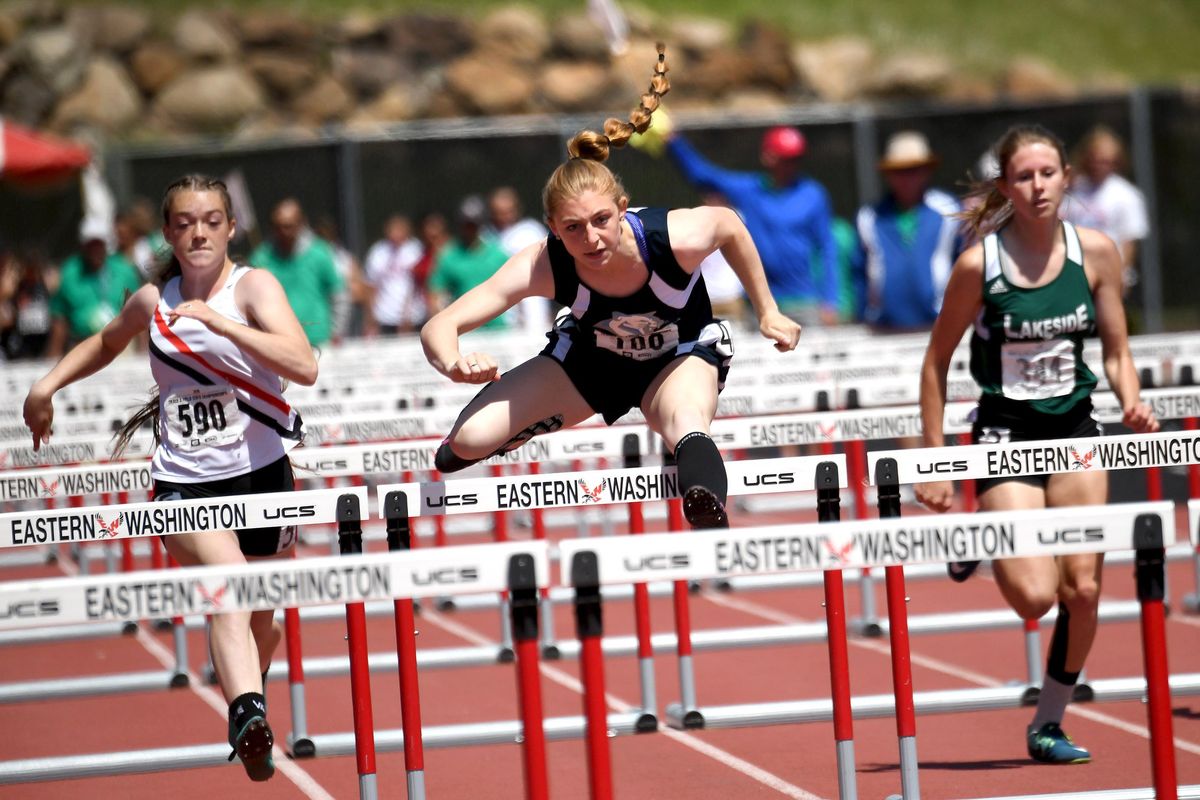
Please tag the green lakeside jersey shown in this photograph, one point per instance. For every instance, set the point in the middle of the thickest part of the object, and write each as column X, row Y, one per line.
column 1028, row 343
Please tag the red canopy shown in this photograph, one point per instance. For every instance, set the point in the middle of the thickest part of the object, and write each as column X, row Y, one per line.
column 30, row 157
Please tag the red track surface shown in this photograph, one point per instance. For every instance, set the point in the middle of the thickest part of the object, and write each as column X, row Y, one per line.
column 962, row 755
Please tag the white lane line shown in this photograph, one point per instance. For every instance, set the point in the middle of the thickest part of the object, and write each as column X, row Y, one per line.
column 768, row 779
column 937, row 665
column 303, row 781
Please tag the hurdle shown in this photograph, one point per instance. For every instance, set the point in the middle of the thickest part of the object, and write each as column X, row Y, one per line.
column 876, row 543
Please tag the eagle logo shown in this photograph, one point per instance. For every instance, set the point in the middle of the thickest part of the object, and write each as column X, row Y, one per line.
column 827, row 430
column 212, row 599
column 1082, row 461
column 48, row 489
column 838, row 555
column 592, row 495
column 110, row 528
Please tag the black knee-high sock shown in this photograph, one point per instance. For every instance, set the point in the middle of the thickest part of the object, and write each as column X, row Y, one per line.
column 699, row 463
column 1056, row 659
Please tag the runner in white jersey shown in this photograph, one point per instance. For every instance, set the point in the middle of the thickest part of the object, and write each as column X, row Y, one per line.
column 222, row 338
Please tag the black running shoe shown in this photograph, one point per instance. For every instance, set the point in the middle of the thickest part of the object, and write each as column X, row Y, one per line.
column 703, row 510
column 253, row 746
column 959, row 571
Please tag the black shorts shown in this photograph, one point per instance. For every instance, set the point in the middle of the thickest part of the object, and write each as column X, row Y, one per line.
column 275, row 477
column 612, row 384
column 1007, row 421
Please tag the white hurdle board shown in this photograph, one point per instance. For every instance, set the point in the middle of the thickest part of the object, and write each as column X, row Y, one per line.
column 600, row 486
column 266, row 585
column 867, row 543
column 1043, row 457
column 131, row 520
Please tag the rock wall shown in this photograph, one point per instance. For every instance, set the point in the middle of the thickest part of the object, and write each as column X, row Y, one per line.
column 129, row 74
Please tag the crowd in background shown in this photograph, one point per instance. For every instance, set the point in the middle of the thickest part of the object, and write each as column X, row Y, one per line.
column 886, row 268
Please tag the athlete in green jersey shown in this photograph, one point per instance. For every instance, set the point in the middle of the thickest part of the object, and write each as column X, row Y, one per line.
column 1034, row 288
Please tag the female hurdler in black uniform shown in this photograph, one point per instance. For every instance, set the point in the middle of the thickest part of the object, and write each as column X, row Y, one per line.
column 640, row 330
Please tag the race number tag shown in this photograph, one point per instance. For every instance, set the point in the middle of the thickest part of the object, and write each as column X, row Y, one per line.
column 638, row 337
column 1038, row 370
column 202, row 416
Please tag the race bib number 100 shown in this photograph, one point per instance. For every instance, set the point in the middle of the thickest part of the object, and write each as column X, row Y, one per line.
column 640, row 346
column 202, row 416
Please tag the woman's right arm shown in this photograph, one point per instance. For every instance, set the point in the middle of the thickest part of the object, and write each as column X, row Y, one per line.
column 88, row 357
column 526, row 274
column 960, row 306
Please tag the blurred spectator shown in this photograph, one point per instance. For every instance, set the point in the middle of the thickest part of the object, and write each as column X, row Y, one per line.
column 397, row 304
column 909, row 239
column 1101, row 198
column 139, row 237
column 434, row 234
column 725, row 290
column 850, row 269
column 93, row 287
column 467, row 260
column 514, row 233
column 788, row 215
column 348, row 305
column 306, row 267
column 26, row 283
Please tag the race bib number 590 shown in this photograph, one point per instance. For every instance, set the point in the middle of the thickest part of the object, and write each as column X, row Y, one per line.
column 202, row 416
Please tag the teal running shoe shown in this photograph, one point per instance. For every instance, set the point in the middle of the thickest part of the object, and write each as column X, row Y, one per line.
column 1050, row 745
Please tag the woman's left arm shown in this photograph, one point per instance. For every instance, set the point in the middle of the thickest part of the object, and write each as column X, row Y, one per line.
column 1104, row 266
column 274, row 338
column 697, row 232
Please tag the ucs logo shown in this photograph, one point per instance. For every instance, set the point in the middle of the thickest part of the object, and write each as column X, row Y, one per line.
column 770, row 479
column 290, row 512
column 446, row 576
column 1071, row 535
column 941, row 467
column 29, row 609
column 657, row 561
column 452, row 500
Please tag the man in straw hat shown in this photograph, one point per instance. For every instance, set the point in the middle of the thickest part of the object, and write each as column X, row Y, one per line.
column 909, row 239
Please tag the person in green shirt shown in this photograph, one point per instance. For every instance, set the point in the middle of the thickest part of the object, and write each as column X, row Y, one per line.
column 94, row 285
column 467, row 260
column 306, row 267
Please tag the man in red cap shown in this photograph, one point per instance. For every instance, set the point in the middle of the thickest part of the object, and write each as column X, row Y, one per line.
column 788, row 214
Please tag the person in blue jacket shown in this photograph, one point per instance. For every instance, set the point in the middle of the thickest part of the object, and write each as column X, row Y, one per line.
column 789, row 217
column 908, row 240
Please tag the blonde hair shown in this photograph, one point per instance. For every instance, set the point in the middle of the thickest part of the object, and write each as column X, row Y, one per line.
column 992, row 208
column 588, row 150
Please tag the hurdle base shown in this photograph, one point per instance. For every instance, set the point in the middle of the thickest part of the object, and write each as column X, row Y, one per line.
column 869, row 630
column 210, row 676
column 129, row 628
column 506, row 656
column 646, row 723
column 178, row 680
column 1191, row 603
column 551, row 652
column 1029, row 697
column 1083, row 693
column 303, row 748
column 444, row 604
column 691, row 719
column 162, row 625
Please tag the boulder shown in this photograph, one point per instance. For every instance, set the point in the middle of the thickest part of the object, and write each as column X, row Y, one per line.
column 368, row 69
column 577, row 36
column 911, row 75
column 1029, row 78
column 575, row 86
column 430, row 39
column 836, row 69
column 155, row 64
column 201, row 36
column 399, row 102
column 107, row 100
column 514, row 33
column 327, row 100
column 283, row 74
column 210, row 98
column 27, row 99
column 117, row 28
column 488, row 87
column 57, row 56
column 270, row 28
column 767, row 57
column 700, row 35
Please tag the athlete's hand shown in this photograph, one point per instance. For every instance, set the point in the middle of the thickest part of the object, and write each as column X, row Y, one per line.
column 474, row 368
column 39, row 415
column 1140, row 419
column 784, row 331
column 935, row 495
